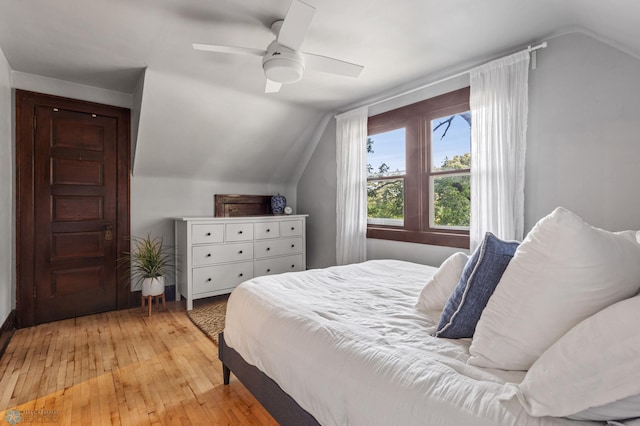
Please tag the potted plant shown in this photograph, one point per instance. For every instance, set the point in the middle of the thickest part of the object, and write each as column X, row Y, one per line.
column 148, row 263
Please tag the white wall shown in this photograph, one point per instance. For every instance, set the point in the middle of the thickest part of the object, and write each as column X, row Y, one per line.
column 52, row 86
column 136, row 110
column 7, row 287
column 582, row 150
column 199, row 129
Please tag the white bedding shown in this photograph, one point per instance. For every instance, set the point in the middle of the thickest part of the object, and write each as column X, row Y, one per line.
column 349, row 346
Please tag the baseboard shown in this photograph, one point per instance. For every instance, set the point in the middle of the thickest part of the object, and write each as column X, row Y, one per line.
column 170, row 292
column 6, row 331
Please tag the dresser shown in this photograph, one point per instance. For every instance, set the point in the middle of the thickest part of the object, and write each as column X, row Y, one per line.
column 214, row 255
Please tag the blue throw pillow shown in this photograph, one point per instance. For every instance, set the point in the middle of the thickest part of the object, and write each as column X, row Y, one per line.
column 479, row 279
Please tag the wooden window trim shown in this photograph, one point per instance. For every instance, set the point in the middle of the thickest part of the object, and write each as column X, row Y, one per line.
column 416, row 119
column 459, row 239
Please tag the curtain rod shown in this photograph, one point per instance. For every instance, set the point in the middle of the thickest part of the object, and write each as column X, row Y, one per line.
column 531, row 49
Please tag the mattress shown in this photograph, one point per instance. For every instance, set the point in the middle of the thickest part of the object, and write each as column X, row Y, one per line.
column 348, row 344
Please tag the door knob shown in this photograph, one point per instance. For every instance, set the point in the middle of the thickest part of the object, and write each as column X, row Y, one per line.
column 108, row 231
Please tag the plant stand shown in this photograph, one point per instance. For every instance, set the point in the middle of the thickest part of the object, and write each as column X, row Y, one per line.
column 149, row 300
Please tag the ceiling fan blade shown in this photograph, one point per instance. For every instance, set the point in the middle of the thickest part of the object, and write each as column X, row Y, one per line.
column 229, row 49
column 272, row 87
column 295, row 25
column 331, row 65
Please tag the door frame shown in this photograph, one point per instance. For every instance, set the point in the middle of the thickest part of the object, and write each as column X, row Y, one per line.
column 26, row 102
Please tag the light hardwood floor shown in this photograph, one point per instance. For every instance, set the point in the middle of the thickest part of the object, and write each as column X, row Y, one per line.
column 121, row 368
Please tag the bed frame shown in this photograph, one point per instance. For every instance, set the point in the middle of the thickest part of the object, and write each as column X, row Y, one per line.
column 284, row 409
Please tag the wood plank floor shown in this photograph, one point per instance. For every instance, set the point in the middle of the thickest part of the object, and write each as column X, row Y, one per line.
column 121, row 368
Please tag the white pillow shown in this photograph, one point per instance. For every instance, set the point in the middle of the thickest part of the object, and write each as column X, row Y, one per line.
column 437, row 290
column 563, row 272
column 596, row 364
column 622, row 409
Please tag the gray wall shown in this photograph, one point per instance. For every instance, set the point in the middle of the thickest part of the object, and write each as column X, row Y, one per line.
column 582, row 147
column 7, row 289
column 582, row 152
column 317, row 195
column 155, row 201
column 10, row 79
column 583, row 138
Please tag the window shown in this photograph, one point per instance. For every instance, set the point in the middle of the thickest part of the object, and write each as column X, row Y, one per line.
column 385, row 180
column 418, row 172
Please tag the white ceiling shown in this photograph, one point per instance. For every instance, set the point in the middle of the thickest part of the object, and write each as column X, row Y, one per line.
column 204, row 115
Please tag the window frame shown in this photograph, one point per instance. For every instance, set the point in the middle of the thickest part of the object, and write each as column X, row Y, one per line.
column 381, row 221
column 416, row 119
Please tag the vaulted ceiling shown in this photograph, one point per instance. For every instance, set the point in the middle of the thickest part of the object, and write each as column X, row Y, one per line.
column 205, row 115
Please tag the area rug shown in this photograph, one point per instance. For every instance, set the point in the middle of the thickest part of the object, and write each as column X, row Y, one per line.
column 208, row 315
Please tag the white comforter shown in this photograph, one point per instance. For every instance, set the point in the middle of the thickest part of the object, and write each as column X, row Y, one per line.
column 349, row 346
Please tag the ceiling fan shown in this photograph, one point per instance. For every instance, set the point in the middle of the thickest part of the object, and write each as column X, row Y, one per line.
column 282, row 61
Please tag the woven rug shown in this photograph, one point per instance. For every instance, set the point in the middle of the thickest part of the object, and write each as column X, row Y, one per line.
column 208, row 315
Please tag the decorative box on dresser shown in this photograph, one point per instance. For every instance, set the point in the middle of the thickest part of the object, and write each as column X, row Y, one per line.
column 214, row 255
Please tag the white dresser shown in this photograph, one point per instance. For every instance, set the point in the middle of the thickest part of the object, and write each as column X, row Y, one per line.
column 214, row 255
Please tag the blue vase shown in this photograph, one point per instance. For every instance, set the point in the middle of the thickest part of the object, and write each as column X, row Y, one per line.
column 278, row 203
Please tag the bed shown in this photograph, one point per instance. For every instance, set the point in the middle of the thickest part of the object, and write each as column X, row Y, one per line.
column 346, row 345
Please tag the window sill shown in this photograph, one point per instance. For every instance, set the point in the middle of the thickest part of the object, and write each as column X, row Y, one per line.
column 446, row 239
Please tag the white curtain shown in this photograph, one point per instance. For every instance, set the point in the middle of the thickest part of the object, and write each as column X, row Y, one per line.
column 499, row 106
column 351, row 200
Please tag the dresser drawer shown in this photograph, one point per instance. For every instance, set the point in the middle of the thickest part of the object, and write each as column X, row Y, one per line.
column 291, row 228
column 265, row 230
column 208, row 255
column 239, row 232
column 270, row 248
column 221, row 277
column 203, row 234
column 278, row 265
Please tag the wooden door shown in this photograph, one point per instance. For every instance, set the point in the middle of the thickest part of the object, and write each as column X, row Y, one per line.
column 77, row 157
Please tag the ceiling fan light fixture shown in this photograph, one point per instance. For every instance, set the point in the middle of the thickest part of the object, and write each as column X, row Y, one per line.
column 282, row 65
column 283, row 70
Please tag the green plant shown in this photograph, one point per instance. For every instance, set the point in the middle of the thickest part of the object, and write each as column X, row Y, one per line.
column 150, row 258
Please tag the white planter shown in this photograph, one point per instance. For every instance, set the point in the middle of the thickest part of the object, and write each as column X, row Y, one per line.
column 152, row 286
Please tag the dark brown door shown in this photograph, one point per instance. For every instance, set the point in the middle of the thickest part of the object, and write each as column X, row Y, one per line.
column 76, row 204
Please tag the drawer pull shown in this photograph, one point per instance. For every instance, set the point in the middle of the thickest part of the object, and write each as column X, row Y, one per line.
column 208, row 234
column 268, row 230
column 293, row 266
column 240, row 252
column 268, row 270
column 293, row 228
column 208, row 280
column 241, row 274
column 240, row 232
column 208, row 254
column 268, row 248
column 293, row 245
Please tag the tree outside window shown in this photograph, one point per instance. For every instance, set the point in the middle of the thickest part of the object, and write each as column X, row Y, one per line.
column 451, row 174
column 385, row 180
